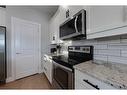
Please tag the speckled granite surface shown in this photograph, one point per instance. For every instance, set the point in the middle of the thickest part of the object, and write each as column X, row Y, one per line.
column 51, row 55
column 114, row 74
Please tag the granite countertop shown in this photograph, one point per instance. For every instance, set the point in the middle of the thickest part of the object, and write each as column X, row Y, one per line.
column 114, row 74
column 51, row 55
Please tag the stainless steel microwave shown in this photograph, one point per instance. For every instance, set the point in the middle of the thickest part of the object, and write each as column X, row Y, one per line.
column 74, row 27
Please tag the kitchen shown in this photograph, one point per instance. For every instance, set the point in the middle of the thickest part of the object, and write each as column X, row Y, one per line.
column 104, row 31
column 81, row 47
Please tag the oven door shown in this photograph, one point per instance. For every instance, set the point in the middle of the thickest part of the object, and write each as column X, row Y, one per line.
column 62, row 77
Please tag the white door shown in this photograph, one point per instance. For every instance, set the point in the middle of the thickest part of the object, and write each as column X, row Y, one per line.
column 26, row 45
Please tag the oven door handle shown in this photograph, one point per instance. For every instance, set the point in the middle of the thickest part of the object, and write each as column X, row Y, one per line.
column 57, row 64
column 95, row 86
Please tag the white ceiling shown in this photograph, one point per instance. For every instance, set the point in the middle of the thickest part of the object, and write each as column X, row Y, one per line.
column 47, row 9
column 50, row 10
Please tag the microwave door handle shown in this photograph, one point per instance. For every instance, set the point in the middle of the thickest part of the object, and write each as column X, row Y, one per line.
column 76, row 24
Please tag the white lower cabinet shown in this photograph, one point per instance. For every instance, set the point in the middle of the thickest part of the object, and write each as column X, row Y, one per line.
column 84, row 81
column 48, row 68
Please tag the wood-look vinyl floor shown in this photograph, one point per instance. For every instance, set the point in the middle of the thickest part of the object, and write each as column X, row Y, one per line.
column 38, row 81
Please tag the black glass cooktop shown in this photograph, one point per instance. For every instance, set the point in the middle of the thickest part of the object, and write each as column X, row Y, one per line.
column 66, row 61
column 76, row 55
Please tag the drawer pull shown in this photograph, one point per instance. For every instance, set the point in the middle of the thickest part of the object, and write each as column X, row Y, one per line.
column 95, row 86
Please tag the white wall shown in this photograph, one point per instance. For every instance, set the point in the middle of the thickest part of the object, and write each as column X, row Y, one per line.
column 30, row 15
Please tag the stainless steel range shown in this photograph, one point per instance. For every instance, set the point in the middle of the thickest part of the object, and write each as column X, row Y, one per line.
column 63, row 72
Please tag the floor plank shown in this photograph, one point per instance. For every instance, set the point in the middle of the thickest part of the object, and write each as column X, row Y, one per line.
column 38, row 81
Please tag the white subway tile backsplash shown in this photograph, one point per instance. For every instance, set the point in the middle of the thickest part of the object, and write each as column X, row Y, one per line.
column 112, row 49
column 102, row 52
column 124, row 53
column 115, row 59
column 113, row 41
column 95, row 51
column 84, row 42
column 123, row 40
column 100, row 46
column 123, row 36
column 109, row 52
column 118, row 46
column 100, row 57
column 114, row 52
column 109, row 40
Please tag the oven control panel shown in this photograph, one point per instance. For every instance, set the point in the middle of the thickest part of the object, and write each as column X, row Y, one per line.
column 83, row 49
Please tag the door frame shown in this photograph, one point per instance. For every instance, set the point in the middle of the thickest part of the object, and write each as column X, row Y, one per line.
column 13, row 52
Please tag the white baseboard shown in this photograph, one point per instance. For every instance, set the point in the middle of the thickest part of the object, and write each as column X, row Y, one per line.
column 10, row 79
column 41, row 71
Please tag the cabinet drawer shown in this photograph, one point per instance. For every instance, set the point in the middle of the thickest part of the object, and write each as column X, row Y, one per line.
column 88, row 81
column 82, row 85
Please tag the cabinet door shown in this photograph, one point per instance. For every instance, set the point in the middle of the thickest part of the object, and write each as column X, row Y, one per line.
column 81, row 84
column 2, row 17
column 52, row 31
column 62, row 14
column 54, row 28
column 45, row 65
column 105, row 17
column 74, row 9
column 57, row 26
column 50, row 67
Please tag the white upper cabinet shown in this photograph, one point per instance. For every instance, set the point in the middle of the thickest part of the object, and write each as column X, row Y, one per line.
column 2, row 17
column 62, row 14
column 103, row 20
column 54, row 28
column 72, row 11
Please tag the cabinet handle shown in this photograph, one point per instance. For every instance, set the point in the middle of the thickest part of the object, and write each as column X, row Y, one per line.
column 95, row 86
